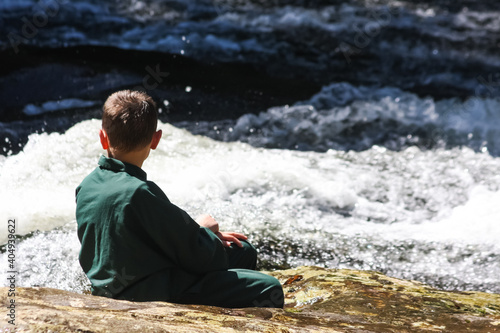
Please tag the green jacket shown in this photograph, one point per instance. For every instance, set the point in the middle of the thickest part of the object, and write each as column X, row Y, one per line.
column 129, row 230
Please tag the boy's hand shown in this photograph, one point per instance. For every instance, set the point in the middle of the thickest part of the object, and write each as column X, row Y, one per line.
column 227, row 238
column 231, row 237
column 209, row 222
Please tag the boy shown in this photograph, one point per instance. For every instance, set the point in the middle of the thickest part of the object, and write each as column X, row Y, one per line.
column 138, row 246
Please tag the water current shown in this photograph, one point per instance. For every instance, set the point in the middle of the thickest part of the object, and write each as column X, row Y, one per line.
column 393, row 166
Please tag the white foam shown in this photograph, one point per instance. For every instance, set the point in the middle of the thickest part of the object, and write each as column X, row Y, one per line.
column 475, row 222
column 51, row 106
column 371, row 113
column 40, row 181
column 410, row 187
column 377, row 196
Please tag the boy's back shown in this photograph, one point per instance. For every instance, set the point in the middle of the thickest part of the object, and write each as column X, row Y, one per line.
column 129, row 230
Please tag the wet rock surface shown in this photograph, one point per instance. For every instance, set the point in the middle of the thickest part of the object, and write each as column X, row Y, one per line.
column 317, row 300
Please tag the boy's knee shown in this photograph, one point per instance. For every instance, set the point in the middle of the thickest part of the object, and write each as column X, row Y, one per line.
column 243, row 257
column 272, row 297
column 250, row 250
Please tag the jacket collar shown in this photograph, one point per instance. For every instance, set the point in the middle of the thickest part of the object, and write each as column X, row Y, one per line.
column 119, row 166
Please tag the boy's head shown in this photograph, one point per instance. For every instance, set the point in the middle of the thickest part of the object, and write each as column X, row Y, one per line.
column 129, row 120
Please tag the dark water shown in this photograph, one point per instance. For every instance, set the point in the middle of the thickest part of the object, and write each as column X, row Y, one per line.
column 246, row 56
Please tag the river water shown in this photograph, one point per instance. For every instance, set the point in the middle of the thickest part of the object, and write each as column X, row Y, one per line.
column 379, row 170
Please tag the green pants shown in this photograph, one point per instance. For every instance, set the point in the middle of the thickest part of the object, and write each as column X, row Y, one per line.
column 238, row 287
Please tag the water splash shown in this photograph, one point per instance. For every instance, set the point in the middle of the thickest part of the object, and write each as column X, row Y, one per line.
column 428, row 215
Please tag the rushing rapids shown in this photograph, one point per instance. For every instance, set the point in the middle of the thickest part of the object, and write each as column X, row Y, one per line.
column 354, row 134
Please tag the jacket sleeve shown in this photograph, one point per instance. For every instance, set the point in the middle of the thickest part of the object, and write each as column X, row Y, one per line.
column 195, row 249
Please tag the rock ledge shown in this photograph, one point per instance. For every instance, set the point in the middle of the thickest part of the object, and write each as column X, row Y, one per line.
column 317, row 300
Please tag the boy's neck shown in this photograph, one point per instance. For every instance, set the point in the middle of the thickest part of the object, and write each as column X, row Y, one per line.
column 136, row 157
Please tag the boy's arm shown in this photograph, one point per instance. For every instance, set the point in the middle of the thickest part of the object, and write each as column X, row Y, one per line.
column 180, row 238
column 209, row 222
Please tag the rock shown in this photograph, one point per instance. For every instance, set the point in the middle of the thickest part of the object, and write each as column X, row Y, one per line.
column 317, row 300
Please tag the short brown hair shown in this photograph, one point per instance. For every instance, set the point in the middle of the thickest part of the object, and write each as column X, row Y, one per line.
column 130, row 119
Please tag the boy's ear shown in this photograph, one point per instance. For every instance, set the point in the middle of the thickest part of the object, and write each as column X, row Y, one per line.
column 156, row 139
column 104, row 139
